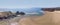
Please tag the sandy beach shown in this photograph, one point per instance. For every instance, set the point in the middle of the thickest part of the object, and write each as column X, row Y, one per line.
column 49, row 18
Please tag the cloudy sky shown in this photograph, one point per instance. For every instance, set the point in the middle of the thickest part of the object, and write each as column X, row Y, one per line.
column 28, row 3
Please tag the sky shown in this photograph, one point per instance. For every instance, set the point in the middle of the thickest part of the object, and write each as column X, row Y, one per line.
column 29, row 3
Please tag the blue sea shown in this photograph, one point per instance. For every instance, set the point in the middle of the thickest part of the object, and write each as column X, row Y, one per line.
column 28, row 11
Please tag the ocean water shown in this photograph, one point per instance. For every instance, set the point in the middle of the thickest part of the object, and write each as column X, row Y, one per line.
column 27, row 11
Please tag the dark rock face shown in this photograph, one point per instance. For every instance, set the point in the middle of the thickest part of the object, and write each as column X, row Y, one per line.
column 17, row 13
column 51, row 9
column 6, row 15
column 20, row 13
column 48, row 9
